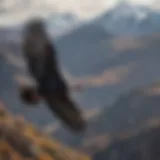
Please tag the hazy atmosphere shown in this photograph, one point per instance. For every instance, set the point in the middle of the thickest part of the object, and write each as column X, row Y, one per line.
column 112, row 49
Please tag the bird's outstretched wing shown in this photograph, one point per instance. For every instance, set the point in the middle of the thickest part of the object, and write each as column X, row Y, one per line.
column 40, row 56
column 67, row 111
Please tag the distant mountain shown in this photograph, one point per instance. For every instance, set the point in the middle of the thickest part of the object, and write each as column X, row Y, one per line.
column 126, row 18
column 142, row 145
column 132, row 112
column 139, row 105
column 127, row 128
column 109, row 64
column 122, row 18
column 60, row 24
column 81, row 45
column 17, row 11
column 57, row 24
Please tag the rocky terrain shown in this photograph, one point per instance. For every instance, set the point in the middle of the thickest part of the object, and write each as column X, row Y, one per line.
column 20, row 140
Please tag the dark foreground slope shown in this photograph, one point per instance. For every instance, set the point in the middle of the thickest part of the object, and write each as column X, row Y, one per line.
column 141, row 146
column 130, row 110
column 129, row 127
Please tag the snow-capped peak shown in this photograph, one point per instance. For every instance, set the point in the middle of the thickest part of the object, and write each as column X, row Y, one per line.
column 59, row 24
column 126, row 17
column 127, row 10
column 62, row 16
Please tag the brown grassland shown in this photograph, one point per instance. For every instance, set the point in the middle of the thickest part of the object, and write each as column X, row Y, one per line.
column 20, row 140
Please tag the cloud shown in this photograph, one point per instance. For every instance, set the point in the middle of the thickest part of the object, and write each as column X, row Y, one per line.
column 15, row 11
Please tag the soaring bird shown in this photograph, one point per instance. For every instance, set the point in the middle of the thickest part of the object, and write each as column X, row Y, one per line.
column 40, row 55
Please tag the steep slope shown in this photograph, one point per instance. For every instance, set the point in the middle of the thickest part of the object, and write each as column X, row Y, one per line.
column 129, row 127
column 21, row 140
column 131, row 109
column 108, row 65
column 142, row 145
column 132, row 113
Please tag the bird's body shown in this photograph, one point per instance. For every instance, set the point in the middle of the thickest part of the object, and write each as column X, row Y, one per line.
column 40, row 56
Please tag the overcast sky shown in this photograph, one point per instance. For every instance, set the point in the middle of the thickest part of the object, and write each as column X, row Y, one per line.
column 14, row 11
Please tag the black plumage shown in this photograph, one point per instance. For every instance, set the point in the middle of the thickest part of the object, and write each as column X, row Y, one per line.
column 41, row 58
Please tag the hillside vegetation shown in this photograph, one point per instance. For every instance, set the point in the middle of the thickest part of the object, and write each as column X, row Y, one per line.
column 20, row 140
